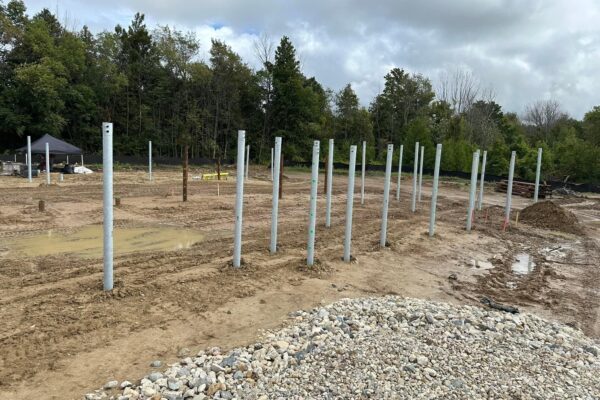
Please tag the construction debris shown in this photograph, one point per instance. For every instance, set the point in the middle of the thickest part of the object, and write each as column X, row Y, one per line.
column 525, row 189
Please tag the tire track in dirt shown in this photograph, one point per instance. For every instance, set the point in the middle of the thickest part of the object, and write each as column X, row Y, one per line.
column 54, row 308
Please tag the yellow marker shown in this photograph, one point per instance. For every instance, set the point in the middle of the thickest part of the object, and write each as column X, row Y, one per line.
column 208, row 177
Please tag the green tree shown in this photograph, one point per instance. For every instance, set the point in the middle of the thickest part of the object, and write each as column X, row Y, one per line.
column 138, row 59
column 175, row 51
column 440, row 117
column 287, row 111
column 299, row 106
column 418, row 131
column 352, row 123
column 576, row 160
column 404, row 98
column 591, row 126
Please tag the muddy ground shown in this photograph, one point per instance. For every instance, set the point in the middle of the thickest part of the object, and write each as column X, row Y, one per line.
column 62, row 336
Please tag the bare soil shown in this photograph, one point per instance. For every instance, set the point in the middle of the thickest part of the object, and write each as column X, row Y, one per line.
column 549, row 215
column 62, row 336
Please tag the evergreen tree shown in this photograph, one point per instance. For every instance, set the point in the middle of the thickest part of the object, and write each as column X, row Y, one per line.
column 287, row 107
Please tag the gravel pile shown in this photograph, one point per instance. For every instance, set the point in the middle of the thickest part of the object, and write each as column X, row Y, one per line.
column 389, row 348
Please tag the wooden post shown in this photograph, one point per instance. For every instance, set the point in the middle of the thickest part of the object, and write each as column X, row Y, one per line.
column 219, row 168
column 281, row 178
column 117, row 201
column 42, row 206
column 185, row 172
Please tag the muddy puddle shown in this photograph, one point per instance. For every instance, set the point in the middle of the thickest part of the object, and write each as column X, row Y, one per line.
column 523, row 264
column 87, row 242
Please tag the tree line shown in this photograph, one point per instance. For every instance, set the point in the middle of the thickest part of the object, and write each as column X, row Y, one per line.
column 152, row 85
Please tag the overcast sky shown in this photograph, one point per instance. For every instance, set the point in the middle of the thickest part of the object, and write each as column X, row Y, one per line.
column 524, row 49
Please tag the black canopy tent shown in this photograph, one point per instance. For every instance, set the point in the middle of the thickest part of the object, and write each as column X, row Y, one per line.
column 56, row 147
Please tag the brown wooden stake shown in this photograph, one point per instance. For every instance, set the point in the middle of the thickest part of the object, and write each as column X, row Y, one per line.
column 281, row 177
column 42, row 206
column 117, row 201
column 185, row 173
column 219, row 168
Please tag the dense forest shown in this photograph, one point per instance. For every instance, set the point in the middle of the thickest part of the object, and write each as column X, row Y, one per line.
column 152, row 84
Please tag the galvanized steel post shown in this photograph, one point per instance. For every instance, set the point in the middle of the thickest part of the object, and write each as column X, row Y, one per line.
column 312, row 214
column 538, row 170
column 150, row 160
column 247, row 160
column 471, row 209
column 421, row 171
column 434, row 190
column 271, row 163
column 399, row 172
column 107, row 183
column 413, row 206
column 363, row 167
column 329, row 184
column 349, row 204
column 481, row 184
column 511, row 172
column 386, row 194
column 29, row 158
column 47, row 164
column 275, row 210
column 239, row 200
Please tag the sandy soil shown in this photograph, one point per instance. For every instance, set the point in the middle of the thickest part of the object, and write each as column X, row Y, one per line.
column 62, row 336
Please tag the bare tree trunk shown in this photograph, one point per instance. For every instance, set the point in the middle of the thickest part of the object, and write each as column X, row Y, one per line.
column 185, row 173
column 216, row 128
column 140, row 111
column 127, row 119
column 225, row 145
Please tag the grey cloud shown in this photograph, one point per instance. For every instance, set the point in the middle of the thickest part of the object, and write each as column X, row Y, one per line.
column 526, row 50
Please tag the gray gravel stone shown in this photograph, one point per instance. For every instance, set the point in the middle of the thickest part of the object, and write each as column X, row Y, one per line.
column 456, row 383
column 153, row 377
column 392, row 348
column 173, row 384
column 125, row 384
column 111, row 385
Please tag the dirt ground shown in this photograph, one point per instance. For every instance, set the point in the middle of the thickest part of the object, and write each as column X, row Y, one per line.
column 62, row 336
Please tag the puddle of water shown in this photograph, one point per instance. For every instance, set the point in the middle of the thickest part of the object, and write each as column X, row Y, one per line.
column 87, row 242
column 523, row 264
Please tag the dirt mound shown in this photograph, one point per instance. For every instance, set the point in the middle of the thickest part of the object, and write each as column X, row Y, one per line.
column 549, row 215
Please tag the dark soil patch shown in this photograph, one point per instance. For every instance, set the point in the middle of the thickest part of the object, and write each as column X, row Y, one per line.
column 549, row 215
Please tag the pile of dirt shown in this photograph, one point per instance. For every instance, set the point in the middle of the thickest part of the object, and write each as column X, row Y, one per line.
column 549, row 215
